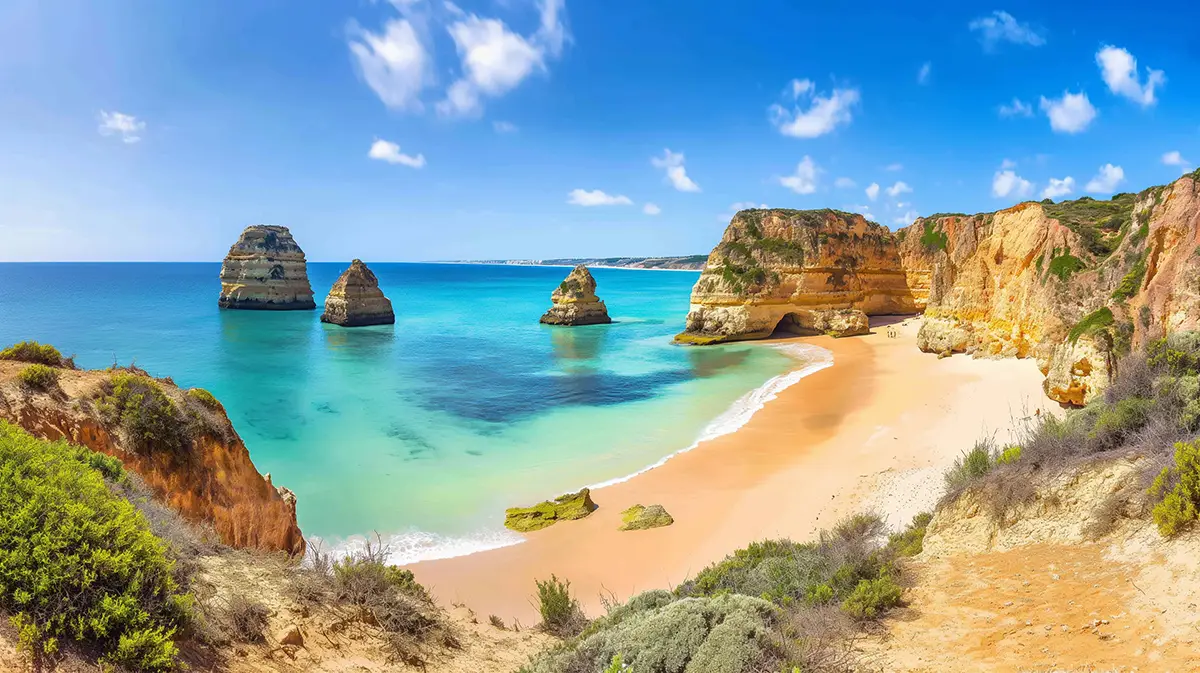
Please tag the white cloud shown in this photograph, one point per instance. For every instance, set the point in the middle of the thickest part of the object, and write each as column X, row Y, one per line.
column 127, row 126
column 734, row 208
column 924, row 72
column 394, row 64
column 1106, row 180
column 1007, row 183
column 1119, row 69
column 844, row 183
column 651, row 209
column 495, row 59
column 804, row 180
column 1070, row 114
column 898, row 189
column 672, row 163
column 1003, row 27
column 872, row 191
column 1058, row 188
column 504, row 127
column 894, row 167
column 1174, row 158
column 582, row 197
column 907, row 218
column 1017, row 108
column 451, row 8
column 1007, row 163
column 390, row 152
column 813, row 114
column 865, row 211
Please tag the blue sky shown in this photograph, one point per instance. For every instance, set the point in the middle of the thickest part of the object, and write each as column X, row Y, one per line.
column 421, row 129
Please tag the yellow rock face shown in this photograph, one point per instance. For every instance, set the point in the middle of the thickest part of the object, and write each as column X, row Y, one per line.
column 355, row 299
column 791, row 269
column 265, row 269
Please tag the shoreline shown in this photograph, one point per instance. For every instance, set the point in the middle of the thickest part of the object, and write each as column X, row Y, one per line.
column 842, row 439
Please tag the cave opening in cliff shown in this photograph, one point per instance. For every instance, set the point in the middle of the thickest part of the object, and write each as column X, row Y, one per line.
column 790, row 325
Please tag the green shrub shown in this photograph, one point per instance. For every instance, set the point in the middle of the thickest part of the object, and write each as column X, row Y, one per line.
column 910, row 541
column 1179, row 490
column 969, row 466
column 79, row 563
column 1092, row 322
column 1009, row 455
column 561, row 614
column 204, row 397
column 1115, row 422
column 139, row 406
column 1132, row 281
column 38, row 377
column 34, row 352
column 1065, row 265
column 1178, row 354
column 873, row 597
column 933, row 237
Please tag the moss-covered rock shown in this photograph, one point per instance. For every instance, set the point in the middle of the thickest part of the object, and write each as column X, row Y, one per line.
column 564, row 507
column 641, row 517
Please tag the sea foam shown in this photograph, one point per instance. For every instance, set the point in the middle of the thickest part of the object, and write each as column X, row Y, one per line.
column 413, row 546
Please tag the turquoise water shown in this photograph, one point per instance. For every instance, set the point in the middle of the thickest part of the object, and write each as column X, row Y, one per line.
column 426, row 430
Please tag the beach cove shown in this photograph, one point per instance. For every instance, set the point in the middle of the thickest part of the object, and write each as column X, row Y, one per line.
column 874, row 431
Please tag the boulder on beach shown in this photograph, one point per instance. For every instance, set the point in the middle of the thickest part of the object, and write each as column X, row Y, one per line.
column 265, row 270
column 355, row 300
column 575, row 301
column 641, row 517
column 550, row 512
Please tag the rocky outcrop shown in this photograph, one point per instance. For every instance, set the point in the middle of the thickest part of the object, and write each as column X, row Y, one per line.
column 563, row 508
column 265, row 269
column 575, row 301
column 803, row 271
column 1074, row 284
column 201, row 470
column 640, row 517
column 355, row 300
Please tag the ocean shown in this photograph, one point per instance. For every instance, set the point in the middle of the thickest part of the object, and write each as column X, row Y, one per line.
column 422, row 432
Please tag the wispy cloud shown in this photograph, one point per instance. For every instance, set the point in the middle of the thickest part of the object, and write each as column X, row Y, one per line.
column 804, row 180
column 1174, row 158
column 1119, row 69
column 1058, row 188
column 1072, row 113
column 1106, row 180
column 898, row 189
column 651, row 209
column 383, row 150
column 1006, row 183
column 394, row 63
column 1017, row 108
column 595, row 197
column 872, row 191
column 924, row 72
column 1000, row 27
column 504, row 127
column 672, row 164
column 844, row 183
column 811, row 114
column 128, row 127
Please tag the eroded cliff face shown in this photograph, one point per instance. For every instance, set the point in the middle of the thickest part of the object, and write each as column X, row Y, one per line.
column 265, row 269
column 1075, row 284
column 804, row 271
column 355, row 299
column 209, row 479
column 575, row 301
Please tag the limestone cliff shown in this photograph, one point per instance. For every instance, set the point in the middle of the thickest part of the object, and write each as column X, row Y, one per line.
column 804, row 271
column 575, row 301
column 201, row 468
column 1074, row 284
column 355, row 299
column 265, row 269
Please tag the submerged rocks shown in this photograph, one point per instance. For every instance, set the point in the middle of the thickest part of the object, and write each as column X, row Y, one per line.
column 265, row 269
column 641, row 517
column 355, row 299
column 575, row 301
column 550, row 512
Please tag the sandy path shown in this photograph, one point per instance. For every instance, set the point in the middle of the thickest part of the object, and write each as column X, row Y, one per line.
column 874, row 430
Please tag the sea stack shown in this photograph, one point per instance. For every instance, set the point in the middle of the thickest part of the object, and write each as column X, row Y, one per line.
column 265, row 270
column 355, row 299
column 575, row 301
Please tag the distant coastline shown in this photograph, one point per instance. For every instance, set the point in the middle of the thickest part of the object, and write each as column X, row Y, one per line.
column 685, row 263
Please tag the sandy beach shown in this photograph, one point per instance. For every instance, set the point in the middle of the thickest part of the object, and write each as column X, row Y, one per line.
column 874, row 431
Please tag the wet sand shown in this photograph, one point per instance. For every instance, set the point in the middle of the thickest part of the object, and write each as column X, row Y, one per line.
column 874, row 431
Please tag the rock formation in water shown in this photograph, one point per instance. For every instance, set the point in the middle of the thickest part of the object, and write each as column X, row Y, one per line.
column 642, row 517
column 194, row 461
column 355, row 299
column 575, row 301
column 265, row 269
column 803, row 271
column 1075, row 284
column 563, row 508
